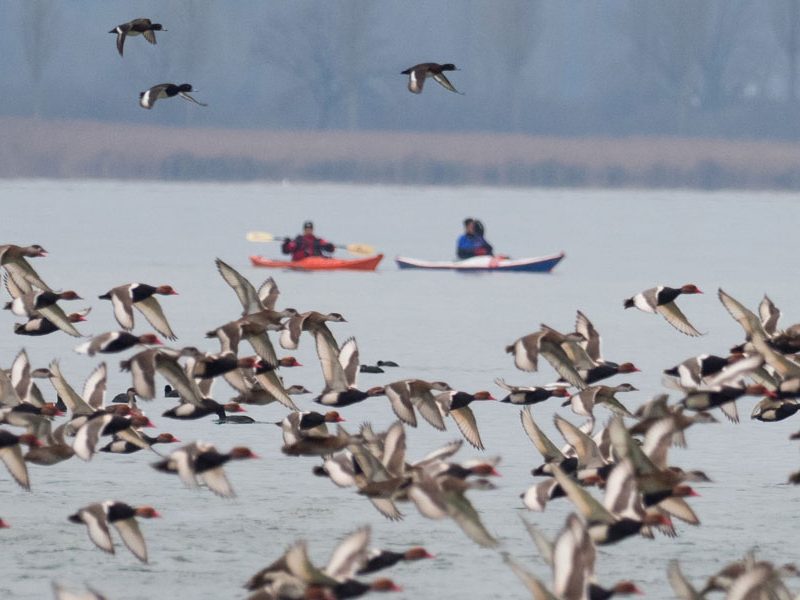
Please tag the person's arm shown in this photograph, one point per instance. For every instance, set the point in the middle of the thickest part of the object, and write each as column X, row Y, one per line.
column 289, row 245
column 488, row 248
column 464, row 247
column 325, row 245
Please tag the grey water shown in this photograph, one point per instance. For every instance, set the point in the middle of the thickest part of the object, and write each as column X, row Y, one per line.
column 439, row 326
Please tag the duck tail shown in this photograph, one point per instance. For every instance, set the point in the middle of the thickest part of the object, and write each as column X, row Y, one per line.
column 629, row 303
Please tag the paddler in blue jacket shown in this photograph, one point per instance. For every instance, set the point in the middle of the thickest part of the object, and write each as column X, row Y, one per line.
column 472, row 243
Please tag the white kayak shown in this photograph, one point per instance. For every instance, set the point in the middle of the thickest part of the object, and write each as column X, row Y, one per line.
column 540, row 264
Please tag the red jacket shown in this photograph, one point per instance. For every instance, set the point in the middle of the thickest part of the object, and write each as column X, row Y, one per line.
column 306, row 245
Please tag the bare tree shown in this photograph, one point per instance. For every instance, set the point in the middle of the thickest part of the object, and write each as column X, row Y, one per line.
column 330, row 54
column 514, row 28
column 687, row 47
column 786, row 23
column 39, row 26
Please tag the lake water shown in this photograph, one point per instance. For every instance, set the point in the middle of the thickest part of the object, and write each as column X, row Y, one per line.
column 445, row 326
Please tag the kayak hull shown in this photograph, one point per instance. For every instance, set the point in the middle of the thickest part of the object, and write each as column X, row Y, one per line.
column 320, row 263
column 540, row 264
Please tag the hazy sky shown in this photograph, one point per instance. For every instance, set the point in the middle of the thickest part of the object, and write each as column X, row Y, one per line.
column 574, row 68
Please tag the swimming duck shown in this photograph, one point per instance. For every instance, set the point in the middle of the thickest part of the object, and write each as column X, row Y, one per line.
column 661, row 300
column 98, row 516
column 377, row 367
column 166, row 90
column 144, row 27
column 418, row 73
column 141, row 296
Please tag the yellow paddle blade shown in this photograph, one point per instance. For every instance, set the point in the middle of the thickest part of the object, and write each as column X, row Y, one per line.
column 263, row 236
column 360, row 249
column 259, row 236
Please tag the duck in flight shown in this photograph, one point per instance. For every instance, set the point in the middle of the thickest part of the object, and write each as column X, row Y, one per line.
column 166, row 90
column 144, row 27
column 418, row 73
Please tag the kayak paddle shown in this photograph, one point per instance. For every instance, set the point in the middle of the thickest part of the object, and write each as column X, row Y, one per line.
column 263, row 236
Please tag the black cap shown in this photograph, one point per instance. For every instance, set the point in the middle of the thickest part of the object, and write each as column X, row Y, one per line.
column 308, row 225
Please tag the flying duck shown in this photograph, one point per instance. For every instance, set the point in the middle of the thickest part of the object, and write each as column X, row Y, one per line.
column 418, row 73
column 99, row 515
column 144, row 27
column 661, row 300
column 166, row 90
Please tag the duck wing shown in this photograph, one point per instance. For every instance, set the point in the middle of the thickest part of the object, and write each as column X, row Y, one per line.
column 122, row 303
column 301, row 566
column 94, row 517
column 94, row 389
column 332, row 371
column 348, row 358
column 537, row 589
column 586, row 504
column 677, row 319
column 268, row 293
column 589, row 455
column 262, row 346
column 132, row 537
column 444, row 82
column 56, row 315
column 546, row 448
column 271, row 383
column 151, row 309
column 425, row 402
column 592, row 345
column 680, row 585
column 460, row 509
column 394, row 449
column 349, row 556
column 544, row 545
column 15, row 463
column 21, row 271
column 173, row 372
column 416, row 80
column 387, row 508
column 244, row 289
column 216, row 480
column 400, row 400
column 467, row 425
column 74, row 402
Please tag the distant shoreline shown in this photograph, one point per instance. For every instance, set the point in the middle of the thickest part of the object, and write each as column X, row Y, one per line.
column 31, row 148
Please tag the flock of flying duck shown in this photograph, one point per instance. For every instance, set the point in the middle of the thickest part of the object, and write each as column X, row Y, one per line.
column 147, row 29
column 644, row 493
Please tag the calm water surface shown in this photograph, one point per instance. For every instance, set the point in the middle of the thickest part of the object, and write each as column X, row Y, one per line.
column 446, row 326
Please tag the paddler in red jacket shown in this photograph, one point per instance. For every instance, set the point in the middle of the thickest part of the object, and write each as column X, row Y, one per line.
column 307, row 244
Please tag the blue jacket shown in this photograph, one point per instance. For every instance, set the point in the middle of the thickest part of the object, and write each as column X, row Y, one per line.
column 473, row 245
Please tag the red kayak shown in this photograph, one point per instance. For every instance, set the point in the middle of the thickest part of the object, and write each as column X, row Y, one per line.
column 320, row 263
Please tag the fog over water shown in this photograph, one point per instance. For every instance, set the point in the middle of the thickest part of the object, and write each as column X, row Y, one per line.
column 437, row 326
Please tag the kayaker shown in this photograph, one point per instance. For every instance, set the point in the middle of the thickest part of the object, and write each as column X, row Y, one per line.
column 307, row 244
column 472, row 243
